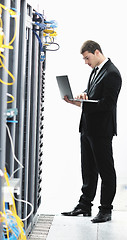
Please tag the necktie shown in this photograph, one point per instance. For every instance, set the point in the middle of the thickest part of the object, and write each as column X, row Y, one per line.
column 94, row 75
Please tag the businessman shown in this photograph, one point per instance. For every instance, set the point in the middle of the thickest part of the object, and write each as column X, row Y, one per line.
column 97, row 127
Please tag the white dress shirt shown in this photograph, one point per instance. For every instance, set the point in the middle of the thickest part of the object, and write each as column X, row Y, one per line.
column 101, row 65
column 99, row 68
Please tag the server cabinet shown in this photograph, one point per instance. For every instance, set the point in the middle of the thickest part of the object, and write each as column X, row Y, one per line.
column 22, row 119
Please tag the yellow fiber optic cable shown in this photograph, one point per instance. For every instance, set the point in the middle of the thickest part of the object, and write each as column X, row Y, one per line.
column 9, row 95
column 54, row 34
column 15, row 17
column 51, row 30
column 1, row 24
column 2, row 45
column 13, row 14
column 1, row 217
column 9, row 73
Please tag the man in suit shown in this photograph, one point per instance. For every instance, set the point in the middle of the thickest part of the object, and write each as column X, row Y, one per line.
column 97, row 128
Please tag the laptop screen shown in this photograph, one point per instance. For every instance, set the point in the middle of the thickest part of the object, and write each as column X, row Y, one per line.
column 64, row 86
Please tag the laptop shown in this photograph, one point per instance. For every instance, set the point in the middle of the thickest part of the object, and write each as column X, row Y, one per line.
column 65, row 89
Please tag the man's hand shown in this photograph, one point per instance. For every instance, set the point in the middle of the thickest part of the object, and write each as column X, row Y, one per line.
column 77, row 103
column 82, row 96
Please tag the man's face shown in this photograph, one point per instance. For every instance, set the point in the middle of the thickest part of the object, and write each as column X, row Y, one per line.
column 91, row 59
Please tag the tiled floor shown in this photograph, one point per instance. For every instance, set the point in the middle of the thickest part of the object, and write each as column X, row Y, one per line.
column 81, row 228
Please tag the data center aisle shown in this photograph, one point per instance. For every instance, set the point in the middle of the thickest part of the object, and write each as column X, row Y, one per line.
column 81, row 228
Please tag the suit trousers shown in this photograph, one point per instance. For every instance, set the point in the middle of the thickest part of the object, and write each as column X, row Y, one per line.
column 97, row 159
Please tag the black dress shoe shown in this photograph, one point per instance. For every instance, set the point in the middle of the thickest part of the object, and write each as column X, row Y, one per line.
column 78, row 211
column 102, row 217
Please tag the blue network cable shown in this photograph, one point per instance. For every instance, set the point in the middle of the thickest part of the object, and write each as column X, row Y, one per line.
column 42, row 26
column 52, row 23
column 42, row 57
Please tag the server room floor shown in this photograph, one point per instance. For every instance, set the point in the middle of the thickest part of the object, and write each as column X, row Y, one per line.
column 59, row 227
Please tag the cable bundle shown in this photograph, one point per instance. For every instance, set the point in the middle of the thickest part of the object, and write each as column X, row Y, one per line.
column 49, row 34
column 12, row 224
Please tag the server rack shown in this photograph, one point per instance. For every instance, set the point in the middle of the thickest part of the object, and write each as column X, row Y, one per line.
column 3, row 107
column 26, row 126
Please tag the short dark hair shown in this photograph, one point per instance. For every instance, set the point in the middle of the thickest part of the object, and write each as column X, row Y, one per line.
column 90, row 46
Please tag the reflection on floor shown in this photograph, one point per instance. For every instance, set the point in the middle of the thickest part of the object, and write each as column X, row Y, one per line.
column 81, row 228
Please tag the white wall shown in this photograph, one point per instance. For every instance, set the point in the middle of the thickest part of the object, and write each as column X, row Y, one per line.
column 78, row 21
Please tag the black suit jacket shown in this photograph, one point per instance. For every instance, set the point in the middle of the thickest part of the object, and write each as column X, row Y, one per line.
column 99, row 119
